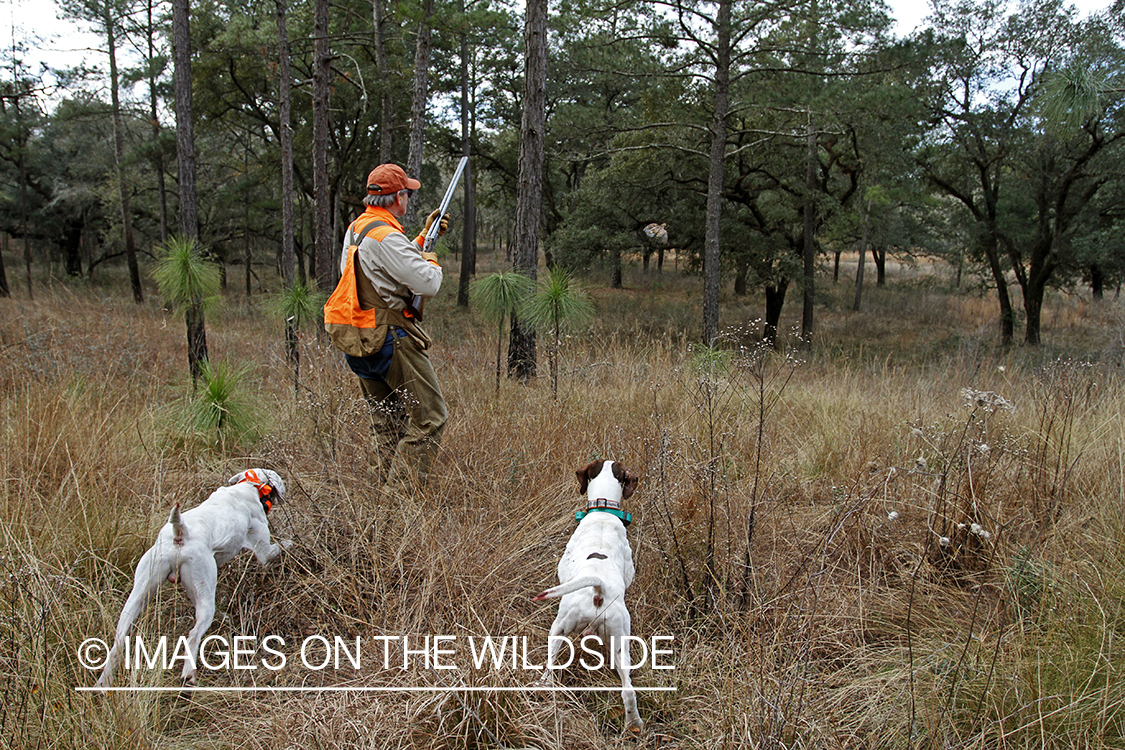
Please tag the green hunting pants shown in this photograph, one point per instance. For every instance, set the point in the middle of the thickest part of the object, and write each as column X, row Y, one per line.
column 408, row 415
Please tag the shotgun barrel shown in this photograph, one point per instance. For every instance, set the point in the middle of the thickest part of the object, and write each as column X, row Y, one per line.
column 417, row 303
column 432, row 235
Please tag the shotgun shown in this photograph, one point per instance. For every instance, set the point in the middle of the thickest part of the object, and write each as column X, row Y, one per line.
column 414, row 307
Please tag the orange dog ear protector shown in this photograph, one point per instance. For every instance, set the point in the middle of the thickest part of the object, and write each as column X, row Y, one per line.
column 264, row 490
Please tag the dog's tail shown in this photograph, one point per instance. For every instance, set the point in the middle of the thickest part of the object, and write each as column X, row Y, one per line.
column 577, row 584
column 177, row 526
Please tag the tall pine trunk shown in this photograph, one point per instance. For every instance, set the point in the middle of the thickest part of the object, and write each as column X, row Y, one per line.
column 288, row 220
column 285, row 141
column 154, row 122
column 862, row 259
column 419, row 103
column 22, row 138
column 5, row 292
column 808, row 211
column 326, row 260
column 529, row 203
column 185, row 133
column 119, row 157
column 386, row 101
column 185, row 159
column 712, row 251
column 808, row 255
column 469, row 223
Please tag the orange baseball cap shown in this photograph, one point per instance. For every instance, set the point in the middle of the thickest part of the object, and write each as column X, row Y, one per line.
column 386, row 179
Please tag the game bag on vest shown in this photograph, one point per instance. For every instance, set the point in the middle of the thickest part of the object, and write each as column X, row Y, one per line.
column 357, row 330
column 352, row 329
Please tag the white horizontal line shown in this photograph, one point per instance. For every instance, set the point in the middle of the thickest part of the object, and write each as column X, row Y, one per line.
column 337, row 689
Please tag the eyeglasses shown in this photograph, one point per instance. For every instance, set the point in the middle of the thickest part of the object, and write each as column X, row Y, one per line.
column 409, row 193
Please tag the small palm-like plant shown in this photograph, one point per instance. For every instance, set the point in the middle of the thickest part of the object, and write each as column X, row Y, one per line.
column 496, row 297
column 189, row 282
column 557, row 302
column 297, row 305
column 219, row 408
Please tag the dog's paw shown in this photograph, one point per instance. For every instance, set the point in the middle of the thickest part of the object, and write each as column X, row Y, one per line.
column 286, row 544
column 635, row 726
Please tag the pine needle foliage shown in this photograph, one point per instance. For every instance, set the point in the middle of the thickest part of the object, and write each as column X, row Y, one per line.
column 1073, row 95
column 185, row 278
column 299, row 304
column 188, row 282
column 557, row 303
column 220, row 408
column 497, row 297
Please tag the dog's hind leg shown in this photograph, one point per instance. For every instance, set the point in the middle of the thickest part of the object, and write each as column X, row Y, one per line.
column 633, row 721
column 199, row 576
column 554, row 644
column 151, row 571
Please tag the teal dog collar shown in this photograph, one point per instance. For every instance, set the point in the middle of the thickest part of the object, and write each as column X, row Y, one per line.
column 605, row 506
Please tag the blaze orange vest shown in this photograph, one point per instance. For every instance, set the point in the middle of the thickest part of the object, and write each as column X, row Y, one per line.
column 355, row 316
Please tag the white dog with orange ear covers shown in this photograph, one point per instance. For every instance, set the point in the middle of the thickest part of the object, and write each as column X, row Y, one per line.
column 192, row 546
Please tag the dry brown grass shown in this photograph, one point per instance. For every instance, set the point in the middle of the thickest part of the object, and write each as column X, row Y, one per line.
column 865, row 613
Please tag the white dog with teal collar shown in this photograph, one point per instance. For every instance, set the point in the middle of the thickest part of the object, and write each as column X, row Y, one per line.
column 595, row 570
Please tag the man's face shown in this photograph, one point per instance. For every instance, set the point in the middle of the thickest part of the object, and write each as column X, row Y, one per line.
column 398, row 208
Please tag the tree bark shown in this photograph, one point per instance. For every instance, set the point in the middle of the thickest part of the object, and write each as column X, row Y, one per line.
column 72, row 247
column 1042, row 267
column 775, row 299
column 1007, row 317
column 862, row 259
column 808, row 255
column 712, row 251
column 22, row 138
column 119, row 156
column 196, row 340
column 386, row 100
column 247, row 243
column 469, row 223
column 327, row 269
column 529, row 203
column 185, row 160
column 1033, row 308
column 5, row 292
column 741, row 277
column 185, row 134
column 1097, row 282
column 154, row 121
column 419, row 104
column 285, row 137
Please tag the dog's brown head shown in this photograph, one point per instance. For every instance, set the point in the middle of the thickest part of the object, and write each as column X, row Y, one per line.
column 594, row 469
